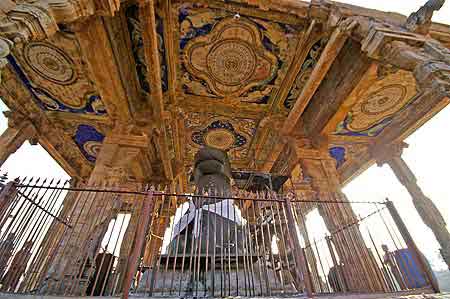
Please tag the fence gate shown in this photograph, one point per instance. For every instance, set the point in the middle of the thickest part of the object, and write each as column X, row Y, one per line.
column 60, row 240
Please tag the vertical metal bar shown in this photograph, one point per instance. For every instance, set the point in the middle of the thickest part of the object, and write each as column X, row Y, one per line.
column 296, row 246
column 199, row 244
column 236, row 249
column 321, row 266
column 339, row 275
column 63, row 234
column 170, row 239
column 213, row 260
column 177, row 243
column 245, row 248
column 223, row 282
column 276, row 235
column 112, row 259
column 87, row 241
column 208, row 213
column 283, row 240
column 36, row 233
column 411, row 244
column 248, row 256
column 229, row 249
column 386, row 277
column 142, row 225
column 158, row 259
column 269, row 289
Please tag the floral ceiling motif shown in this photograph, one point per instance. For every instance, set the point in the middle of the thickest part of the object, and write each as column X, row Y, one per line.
column 89, row 141
column 232, row 135
column 378, row 106
column 225, row 57
column 56, row 76
column 219, row 134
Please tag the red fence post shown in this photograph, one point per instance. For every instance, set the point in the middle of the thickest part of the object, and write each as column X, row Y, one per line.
column 411, row 244
column 133, row 261
column 297, row 248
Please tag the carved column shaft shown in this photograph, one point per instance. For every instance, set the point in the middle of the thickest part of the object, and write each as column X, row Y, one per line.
column 425, row 207
column 95, row 210
column 341, row 222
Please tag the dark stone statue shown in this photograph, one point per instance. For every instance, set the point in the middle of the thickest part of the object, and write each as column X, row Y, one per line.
column 212, row 223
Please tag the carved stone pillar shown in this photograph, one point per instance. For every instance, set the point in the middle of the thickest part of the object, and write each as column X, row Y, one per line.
column 319, row 170
column 90, row 219
column 425, row 207
column 19, row 130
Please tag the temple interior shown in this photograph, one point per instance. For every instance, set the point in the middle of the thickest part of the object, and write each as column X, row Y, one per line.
column 199, row 134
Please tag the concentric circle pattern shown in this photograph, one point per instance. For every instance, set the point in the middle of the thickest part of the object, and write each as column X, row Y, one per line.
column 50, row 63
column 92, row 148
column 384, row 99
column 231, row 62
column 220, row 138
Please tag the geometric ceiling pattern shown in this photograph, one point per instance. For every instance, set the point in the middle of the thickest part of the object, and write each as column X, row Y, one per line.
column 378, row 106
column 232, row 135
column 244, row 59
column 229, row 81
column 55, row 75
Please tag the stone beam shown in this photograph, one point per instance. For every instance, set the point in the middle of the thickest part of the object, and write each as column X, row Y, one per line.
column 147, row 15
column 103, row 67
column 326, row 60
column 342, row 78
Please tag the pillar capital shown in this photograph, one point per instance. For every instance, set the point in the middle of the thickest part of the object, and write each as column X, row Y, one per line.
column 384, row 153
column 121, row 158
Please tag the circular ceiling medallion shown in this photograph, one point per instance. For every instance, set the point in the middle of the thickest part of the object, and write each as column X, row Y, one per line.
column 231, row 62
column 92, row 148
column 50, row 63
column 384, row 100
column 220, row 138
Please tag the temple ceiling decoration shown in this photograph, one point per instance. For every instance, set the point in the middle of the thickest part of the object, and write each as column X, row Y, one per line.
column 232, row 135
column 137, row 46
column 382, row 102
column 223, row 56
column 339, row 154
column 305, row 72
column 89, row 141
column 54, row 73
column 230, row 74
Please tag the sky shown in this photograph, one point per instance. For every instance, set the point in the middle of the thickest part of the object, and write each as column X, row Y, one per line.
column 427, row 156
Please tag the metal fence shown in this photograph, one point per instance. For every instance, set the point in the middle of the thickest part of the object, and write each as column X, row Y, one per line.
column 60, row 240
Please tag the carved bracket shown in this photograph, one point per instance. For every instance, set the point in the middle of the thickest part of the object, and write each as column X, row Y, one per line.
column 427, row 58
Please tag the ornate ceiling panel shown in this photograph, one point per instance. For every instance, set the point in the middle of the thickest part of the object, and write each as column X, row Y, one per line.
column 232, row 135
column 305, row 72
column 383, row 101
column 243, row 59
column 89, row 140
column 55, row 74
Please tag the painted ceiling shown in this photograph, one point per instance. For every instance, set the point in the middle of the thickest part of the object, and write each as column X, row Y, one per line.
column 218, row 58
column 242, row 59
